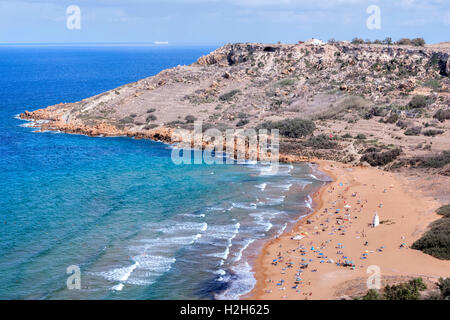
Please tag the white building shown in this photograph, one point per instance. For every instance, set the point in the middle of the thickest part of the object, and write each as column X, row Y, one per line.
column 376, row 220
column 315, row 42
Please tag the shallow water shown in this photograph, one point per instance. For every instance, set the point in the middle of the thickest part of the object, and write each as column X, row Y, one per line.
column 138, row 226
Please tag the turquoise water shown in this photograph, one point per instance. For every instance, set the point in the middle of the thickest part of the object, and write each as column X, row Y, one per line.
column 138, row 226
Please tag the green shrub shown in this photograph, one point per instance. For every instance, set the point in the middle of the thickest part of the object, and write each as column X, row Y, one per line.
column 150, row 126
column 242, row 122
column 414, row 131
column 372, row 294
column 402, row 124
column 361, row 136
column 433, row 84
column 354, row 103
column 381, row 158
column 190, row 119
column 405, row 291
column 444, row 211
column 442, row 115
column 377, row 112
column 404, row 41
column 347, row 136
column 432, row 132
column 199, row 99
column 126, row 120
column 436, row 241
column 393, row 118
column 227, row 96
column 357, row 41
column 444, row 286
column 151, row 117
column 151, row 110
column 291, row 128
column 321, row 141
column 419, row 42
column 419, row 101
column 437, row 161
column 285, row 82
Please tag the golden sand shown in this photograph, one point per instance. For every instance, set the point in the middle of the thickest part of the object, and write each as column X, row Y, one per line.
column 343, row 215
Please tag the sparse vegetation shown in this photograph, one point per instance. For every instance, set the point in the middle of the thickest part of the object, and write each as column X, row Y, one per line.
column 436, row 241
column 199, row 99
column 321, row 141
column 432, row 132
column 419, row 42
column 291, row 128
column 419, row 101
column 444, row 211
column 403, row 291
column 229, row 95
column 381, row 158
column 190, row 119
column 393, row 118
column 434, row 84
column 242, row 122
column 414, row 131
column 444, row 287
column 126, row 120
column 151, row 117
column 347, row 136
column 357, row 41
column 353, row 103
column 437, row 161
column 150, row 126
column 285, row 82
column 442, row 115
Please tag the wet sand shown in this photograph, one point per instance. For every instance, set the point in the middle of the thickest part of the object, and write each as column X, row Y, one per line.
column 340, row 231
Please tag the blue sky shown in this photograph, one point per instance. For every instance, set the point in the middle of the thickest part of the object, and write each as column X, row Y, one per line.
column 220, row 21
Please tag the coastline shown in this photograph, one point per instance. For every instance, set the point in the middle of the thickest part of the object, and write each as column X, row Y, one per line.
column 259, row 268
column 329, row 281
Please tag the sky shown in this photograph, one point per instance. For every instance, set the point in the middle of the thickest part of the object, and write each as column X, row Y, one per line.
column 221, row 21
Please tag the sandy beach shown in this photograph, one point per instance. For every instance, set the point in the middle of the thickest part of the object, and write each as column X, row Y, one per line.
column 338, row 243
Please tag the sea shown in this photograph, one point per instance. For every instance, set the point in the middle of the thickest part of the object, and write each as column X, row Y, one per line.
column 115, row 218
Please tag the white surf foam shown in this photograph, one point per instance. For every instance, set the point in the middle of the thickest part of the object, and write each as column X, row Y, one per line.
column 242, row 285
column 239, row 205
column 262, row 186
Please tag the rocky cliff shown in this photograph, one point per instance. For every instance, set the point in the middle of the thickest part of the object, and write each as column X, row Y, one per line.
column 367, row 98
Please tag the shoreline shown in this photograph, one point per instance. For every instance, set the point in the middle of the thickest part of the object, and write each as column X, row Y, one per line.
column 329, row 281
column 258, row 266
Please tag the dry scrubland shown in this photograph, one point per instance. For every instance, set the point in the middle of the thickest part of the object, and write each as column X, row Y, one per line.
column 387, row 106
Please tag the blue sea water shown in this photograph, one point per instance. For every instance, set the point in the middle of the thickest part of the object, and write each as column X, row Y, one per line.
column 137, row 225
